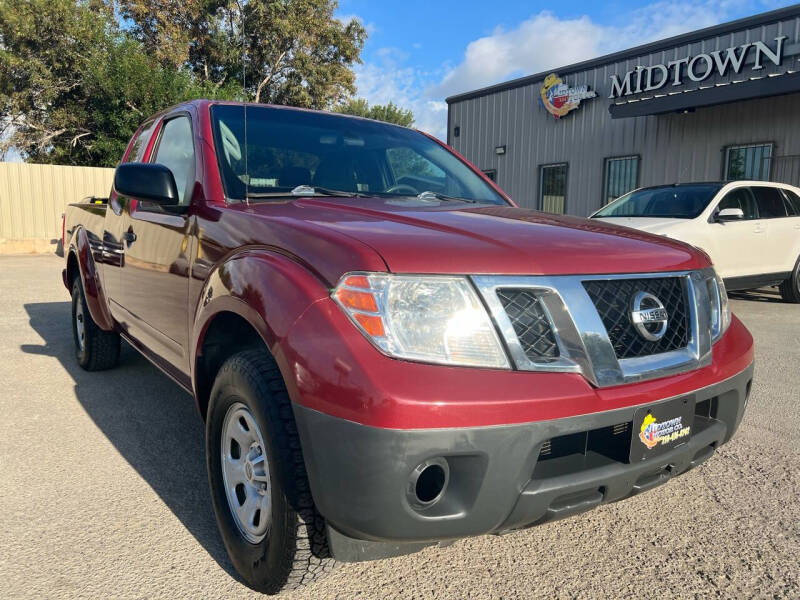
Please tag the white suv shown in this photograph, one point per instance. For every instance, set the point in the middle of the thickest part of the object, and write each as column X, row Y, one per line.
column 751, row 229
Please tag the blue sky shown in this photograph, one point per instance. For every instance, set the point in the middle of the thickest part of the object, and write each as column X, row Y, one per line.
column 419, row 52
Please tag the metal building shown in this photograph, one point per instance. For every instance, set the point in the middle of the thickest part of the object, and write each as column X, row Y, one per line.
column 718, row 103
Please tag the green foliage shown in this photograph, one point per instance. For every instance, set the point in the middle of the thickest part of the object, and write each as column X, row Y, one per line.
column 390, row 113
column 74, row 86
column 41, row 70
column 286, row 51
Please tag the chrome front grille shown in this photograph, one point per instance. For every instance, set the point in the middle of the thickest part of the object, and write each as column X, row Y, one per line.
column 583, row 324
column 612, row 298
column 530, row 322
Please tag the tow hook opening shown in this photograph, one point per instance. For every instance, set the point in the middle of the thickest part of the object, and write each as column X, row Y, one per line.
column 428, row 482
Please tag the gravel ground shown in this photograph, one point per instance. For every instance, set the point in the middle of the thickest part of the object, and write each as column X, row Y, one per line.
column 103, row 489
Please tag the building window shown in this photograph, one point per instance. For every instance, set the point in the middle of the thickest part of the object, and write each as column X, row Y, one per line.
column 621, row 176
column 491, row 174
column 553, row 188
column 748, row 162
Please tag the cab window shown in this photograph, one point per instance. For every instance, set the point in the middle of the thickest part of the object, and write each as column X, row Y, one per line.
column 140, row 143
column 740, row 198
column 176, row 152
column 770, row 202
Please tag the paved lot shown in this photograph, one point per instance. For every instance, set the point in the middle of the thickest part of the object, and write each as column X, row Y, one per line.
column 103, row 489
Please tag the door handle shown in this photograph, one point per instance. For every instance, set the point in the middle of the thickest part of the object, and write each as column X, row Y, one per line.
column 129, row 236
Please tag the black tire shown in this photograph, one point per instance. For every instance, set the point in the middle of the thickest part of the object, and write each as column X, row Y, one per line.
column 295, row 550
column 98, row 350
column 790, row 289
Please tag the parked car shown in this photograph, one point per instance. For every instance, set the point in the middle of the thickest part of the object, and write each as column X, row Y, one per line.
column 386, row 351
column 750, row 229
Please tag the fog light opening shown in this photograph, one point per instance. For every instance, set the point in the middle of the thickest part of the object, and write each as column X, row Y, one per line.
column 428, row 482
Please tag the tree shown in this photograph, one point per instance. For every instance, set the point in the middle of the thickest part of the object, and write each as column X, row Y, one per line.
column 74, row 84
column 41, row 69
column 73, row 88
column 390, row 113
column 286, row 51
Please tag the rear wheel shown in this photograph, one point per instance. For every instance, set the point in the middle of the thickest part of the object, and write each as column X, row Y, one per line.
column 790, row 289
column 259, row 487
column 95, row 349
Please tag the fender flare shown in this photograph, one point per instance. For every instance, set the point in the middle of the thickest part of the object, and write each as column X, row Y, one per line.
column 267, row 289
column 96, row 299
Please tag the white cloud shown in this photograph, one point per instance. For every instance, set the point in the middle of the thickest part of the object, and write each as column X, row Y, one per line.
column 545, row 41
column 542, row 42
column 390, row 80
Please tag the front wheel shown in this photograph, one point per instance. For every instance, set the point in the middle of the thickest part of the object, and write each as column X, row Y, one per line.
column 790, row 289
column 259, row 487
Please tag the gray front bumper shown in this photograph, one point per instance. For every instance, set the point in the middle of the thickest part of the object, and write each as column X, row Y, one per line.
column 359, row 475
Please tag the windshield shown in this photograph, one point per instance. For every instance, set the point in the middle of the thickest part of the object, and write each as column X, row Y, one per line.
column 332, row 154
column 672, row 202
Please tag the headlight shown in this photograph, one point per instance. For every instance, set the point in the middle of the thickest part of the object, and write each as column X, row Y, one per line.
column 720, row 311
column 436, row 319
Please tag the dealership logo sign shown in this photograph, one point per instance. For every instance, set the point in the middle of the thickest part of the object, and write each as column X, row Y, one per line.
column 558, row 98
column 697, row 68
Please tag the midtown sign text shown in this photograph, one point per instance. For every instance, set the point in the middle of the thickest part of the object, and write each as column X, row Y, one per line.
column 696, row 68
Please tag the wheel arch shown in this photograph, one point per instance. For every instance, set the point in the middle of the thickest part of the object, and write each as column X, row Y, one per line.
column 73, row 270
column 251, row 299
column 226, row 333
column 81, row 263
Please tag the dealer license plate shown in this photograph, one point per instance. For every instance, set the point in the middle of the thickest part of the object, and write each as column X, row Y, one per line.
column 660, row 427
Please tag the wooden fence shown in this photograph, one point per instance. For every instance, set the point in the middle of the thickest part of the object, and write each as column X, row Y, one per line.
column 32, row 198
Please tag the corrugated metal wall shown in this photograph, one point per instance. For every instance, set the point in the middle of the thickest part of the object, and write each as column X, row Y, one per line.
column 673, row 147
column 32, row 197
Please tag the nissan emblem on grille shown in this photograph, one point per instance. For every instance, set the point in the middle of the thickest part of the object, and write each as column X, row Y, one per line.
column 649, row 316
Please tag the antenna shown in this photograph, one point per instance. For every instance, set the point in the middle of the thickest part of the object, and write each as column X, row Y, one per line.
column 244, row 94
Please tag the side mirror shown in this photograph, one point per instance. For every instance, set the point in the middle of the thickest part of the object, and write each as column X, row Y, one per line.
column 146, row 181
column 730, row 214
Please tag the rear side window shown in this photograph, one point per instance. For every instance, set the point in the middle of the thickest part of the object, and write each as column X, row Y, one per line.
column 793, row 201
column 740, row 198
column 770, row 202
column 176, row 152
column 140, row 143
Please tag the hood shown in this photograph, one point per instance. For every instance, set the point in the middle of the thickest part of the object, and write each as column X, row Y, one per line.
column 656, row 225
column 458, row 238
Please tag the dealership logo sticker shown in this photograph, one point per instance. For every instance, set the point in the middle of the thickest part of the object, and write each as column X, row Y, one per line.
column 654, row 432
column 558, row 98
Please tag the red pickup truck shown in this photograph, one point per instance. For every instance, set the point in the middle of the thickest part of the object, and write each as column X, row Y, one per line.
column 387, row 352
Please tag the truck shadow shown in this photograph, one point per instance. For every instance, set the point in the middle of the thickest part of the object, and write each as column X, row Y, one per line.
column 151, row 422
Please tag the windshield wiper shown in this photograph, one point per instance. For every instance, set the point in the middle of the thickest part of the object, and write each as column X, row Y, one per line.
column 429, row 195
column 304, row 190
column 321, row 191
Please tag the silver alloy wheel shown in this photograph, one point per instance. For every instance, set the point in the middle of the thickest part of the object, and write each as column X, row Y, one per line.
column 80, row 325
column 245, row 473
